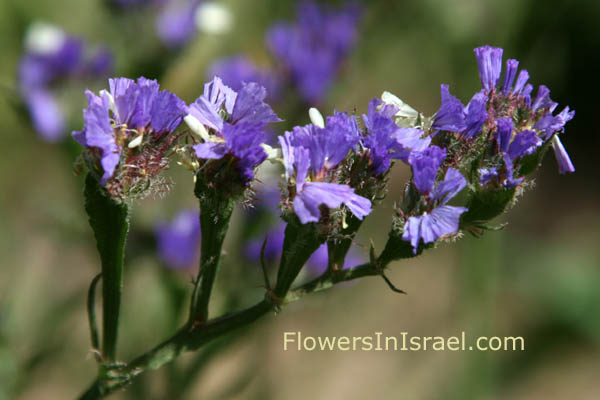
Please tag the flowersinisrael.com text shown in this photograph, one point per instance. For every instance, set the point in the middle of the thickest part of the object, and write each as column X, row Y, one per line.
column 296, row 341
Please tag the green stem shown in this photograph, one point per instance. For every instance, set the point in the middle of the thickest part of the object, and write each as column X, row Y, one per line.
column 215, row 213
column 110, row 222
column 300, row 242
column 191, row 337
column 339, row 247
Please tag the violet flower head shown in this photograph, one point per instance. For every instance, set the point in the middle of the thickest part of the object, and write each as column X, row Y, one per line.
column 309, row 153
column 51, row 57
column 127, row 133
column 491, row 109
column 236, row 70
column 232, row 124
column 385, row 140
column 438, row 219
column 313, row 48
column 178, row 241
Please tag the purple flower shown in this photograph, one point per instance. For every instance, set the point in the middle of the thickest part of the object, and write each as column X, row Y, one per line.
column 491, row 105
column 475, row 115
column 549, row 123
column 562, row 158
column 454, row 117
column 318, row 262
column 313, row 48
column 306, row 155
column 486, row 175
column 441, row 219
column 489, row 60
column 50, row 58
column 46, row 115
column 234, row 71
column 512, row 145
column 175, row 24
column 178, row 241
column 510, row 74
column 237, row 121
column 135, row 113
column 425, row 166
column 385, row 140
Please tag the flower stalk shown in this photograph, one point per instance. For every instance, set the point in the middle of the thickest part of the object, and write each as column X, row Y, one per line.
column 110, row 222
column 215, row 213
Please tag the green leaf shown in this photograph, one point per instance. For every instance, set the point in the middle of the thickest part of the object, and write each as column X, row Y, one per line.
column 110, row 222
column 486, row 204
column 531, row 162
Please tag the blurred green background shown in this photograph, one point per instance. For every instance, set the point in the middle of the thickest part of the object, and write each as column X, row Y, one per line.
column 538, row 278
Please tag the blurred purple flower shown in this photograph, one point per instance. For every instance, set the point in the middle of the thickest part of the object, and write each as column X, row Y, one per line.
column 316, row 264
column 46, row 115
column 50, row 57
column 175, row 24
column 313, row 48
column 178, row 241
column 234, row 71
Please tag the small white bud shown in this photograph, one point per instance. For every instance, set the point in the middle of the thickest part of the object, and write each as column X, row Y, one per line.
column 213, row 18
column 136, row 142
column 316, row 117
column 197, row 127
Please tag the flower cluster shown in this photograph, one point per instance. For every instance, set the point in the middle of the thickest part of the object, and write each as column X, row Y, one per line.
column 128, row 133
column 505, row 115
column 312, row 156
column 52, row 56
column 313, row 48
column 231, row 126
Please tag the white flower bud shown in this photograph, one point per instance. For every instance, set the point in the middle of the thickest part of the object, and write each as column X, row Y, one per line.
column 197, row 127
column 316, row 117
